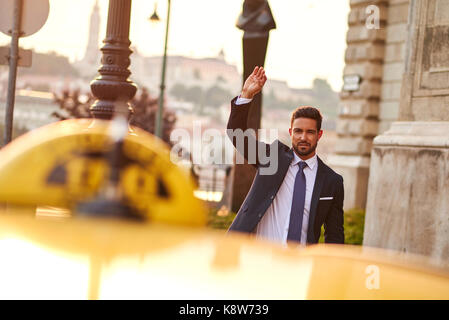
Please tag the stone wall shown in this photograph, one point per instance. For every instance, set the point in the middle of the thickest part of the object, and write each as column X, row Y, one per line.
column 408, row 203
column 357, row 123
column 394, row 62
column 378, row 56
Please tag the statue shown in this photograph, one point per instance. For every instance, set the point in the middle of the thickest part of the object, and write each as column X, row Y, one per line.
column 256, row 19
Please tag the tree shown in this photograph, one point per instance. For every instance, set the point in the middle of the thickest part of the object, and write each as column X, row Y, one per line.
column 69, row 101
column 197, row 74
column 216, row 96
column 271, row 101
column 321, row 86
column 145, row 112
column 144, row 105
column 325, row 97
column 194, row 94
column 178, row 91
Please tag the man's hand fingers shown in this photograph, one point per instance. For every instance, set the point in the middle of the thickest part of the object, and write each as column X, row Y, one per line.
column 260, row 72
column 255, row 71
column 262, row 77
column 254, row 83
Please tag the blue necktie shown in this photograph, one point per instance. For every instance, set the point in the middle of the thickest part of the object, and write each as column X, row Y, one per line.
column 299, row 198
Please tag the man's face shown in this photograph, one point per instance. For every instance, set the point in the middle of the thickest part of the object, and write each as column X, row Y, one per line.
column 305, row 136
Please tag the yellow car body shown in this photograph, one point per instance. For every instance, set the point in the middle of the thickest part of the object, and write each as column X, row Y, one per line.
column 51, row 253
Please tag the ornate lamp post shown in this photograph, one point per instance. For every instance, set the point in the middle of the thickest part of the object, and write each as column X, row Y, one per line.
column 112, row 88
column 113, row 91
column 155, row 18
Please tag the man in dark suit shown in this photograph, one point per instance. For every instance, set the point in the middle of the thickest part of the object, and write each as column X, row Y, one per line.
column 291, row 203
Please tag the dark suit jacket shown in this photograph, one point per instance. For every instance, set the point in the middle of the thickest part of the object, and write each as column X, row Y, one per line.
column 264, row 188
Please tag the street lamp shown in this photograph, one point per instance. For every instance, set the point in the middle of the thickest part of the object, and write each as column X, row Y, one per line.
column 155, row 18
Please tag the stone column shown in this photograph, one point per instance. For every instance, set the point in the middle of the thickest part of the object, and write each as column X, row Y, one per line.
column 408, row 203
column 112, row 87
column 256, row 21
column 357, row 122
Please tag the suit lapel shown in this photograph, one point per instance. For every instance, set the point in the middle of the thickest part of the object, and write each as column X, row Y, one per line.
column 284, row 163
column 319, row 180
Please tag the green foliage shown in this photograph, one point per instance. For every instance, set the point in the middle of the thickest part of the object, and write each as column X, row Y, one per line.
column 321, row 96
column 178, row 91
column 321, row 86
column 271, row 101
column 325, row 98
column 194, row 94
column 216, row 221
column 214, row 96
column 354, row 225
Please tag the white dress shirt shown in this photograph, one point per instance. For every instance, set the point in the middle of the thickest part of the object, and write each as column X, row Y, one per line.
column 274, row 224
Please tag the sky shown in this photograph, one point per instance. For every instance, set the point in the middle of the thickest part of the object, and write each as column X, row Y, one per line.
column 309, row 41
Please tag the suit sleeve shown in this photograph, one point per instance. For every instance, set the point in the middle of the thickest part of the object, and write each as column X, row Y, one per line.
column 333, row 224
column 244, row 140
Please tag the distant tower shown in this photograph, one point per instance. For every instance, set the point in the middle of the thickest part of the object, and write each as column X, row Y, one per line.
column 221, row 55
column 92, row 54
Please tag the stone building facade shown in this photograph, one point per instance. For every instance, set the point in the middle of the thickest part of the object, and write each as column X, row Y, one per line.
column 358, row 121
column 393, row 132
column 376, row 55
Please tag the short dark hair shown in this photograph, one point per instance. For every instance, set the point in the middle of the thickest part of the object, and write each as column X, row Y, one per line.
column 308, row 112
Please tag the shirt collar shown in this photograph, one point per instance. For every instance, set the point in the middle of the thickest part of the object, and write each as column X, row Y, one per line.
column 311, row 163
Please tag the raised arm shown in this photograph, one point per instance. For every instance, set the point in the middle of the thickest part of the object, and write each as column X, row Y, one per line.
column 243, row 139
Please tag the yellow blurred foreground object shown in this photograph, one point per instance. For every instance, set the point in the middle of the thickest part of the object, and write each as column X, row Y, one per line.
column 111, row 259
column 49, row 249
column 63, row 164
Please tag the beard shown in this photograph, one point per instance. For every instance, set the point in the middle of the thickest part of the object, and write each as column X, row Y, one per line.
column 301, row 151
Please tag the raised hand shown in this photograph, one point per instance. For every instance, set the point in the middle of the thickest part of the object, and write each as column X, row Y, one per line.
column 254, row 83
